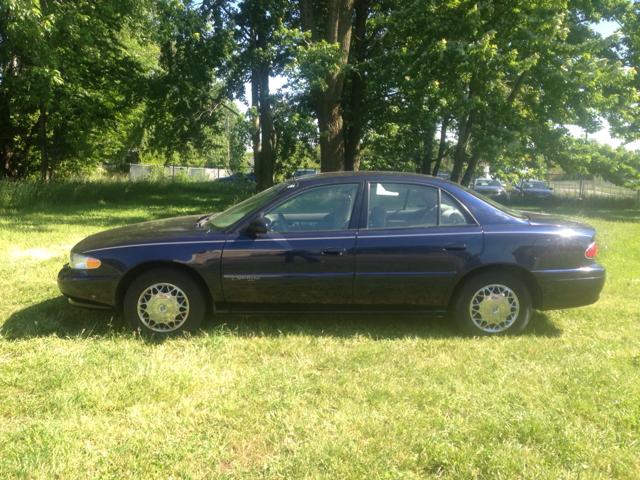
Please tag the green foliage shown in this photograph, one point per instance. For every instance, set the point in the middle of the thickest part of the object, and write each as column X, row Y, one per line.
column 509, row 74
column 76, row 67
column 152, row 81
column 100, row 189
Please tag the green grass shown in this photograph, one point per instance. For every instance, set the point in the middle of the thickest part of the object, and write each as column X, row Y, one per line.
column 312, row 396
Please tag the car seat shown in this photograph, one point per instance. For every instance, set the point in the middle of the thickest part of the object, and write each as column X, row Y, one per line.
column 341, row 214
column 378, row 217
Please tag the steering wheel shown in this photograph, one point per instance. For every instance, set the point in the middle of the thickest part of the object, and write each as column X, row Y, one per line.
column 282, row 222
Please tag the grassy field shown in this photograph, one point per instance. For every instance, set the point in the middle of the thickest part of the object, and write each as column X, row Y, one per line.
column 310, row 396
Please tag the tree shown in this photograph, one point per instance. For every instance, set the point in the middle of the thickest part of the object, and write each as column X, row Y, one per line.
column 69, row 72
column 185, row 98
column 261, row 53
column 498, row 73
column 326, row 28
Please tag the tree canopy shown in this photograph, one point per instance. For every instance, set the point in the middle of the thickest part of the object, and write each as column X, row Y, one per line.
column 374, row 84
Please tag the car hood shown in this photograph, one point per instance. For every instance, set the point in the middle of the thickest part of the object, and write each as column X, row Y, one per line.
column 555, row 220
column 167, row 229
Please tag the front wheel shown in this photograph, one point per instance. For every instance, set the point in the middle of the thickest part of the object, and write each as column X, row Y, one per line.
column 164, row 302
column 493, row 304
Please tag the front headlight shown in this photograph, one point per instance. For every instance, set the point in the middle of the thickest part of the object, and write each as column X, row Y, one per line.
column 80, row 262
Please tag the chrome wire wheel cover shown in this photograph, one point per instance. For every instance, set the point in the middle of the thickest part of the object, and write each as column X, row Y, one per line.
column 163, row 307
column 494, row 308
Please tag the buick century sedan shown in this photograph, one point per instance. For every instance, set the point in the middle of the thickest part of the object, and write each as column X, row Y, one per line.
column 348, row 242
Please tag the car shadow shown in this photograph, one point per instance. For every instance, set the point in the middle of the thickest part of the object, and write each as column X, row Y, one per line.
column 376, row 326
column 57, row 317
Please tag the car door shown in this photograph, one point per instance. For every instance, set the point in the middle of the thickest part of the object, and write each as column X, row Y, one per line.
column 305, row 258
column 416, row 239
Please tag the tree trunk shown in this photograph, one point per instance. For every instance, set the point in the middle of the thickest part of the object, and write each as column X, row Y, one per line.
column 54, row 150
column 471, row 168
column 44, row 165
column 464, row 134
column 443, row 144
column 7, row 168
column 330, row 121
column 255, row 134
column 425, row 169
column 353, row 130
column 268, row 158
column 427, row 149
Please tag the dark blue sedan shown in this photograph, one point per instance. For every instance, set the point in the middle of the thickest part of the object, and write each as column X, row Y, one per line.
column 365, row 241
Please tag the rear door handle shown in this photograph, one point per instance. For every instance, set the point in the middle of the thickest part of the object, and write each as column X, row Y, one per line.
column 334, row 251
column 455, row 247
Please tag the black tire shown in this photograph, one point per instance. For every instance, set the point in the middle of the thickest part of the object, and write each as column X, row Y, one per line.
column 476, row 325
column 185, row 302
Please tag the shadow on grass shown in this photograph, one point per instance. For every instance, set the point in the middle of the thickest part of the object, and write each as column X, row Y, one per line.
column 57, row 317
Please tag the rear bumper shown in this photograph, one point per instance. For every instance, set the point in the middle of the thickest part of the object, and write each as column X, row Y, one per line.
column 570, row 288
column 88, row 291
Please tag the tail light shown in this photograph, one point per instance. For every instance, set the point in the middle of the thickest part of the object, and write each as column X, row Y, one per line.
column 592, row 251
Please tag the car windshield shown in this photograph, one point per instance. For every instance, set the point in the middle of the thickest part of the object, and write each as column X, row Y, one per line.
column 502, row 208
column 541, row 185
column 487, row 183
column 238, row 212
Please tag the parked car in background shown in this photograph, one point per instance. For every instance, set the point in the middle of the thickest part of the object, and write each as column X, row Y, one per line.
column 444, row 176
column 239, row 177
column 304, row 171
column 490, row 188
column 350, row 241
column 532, row 188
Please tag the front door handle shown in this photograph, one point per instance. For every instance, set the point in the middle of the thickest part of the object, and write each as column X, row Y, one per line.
column 455, row 247
column 334, row 251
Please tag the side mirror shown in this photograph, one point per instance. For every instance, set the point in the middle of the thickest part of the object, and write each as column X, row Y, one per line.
column 257, row 226
column 550, row 188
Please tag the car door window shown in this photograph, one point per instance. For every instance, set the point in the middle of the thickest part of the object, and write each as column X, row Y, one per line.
column 316, row 209
column 397, row 205
column 452, row 212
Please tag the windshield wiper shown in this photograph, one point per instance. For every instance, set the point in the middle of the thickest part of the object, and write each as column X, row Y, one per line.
column 205, row 218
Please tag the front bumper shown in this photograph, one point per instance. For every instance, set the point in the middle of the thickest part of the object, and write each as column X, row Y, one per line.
column 570, row 288
column 85, row 290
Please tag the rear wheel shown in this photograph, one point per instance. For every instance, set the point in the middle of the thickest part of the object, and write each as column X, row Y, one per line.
column 493, row 304
column 164, row 302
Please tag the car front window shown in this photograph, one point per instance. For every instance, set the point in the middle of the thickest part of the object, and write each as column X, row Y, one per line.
column 238, row 212
column 316, row 209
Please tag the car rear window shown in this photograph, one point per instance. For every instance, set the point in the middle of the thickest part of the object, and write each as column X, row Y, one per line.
column 502, row 208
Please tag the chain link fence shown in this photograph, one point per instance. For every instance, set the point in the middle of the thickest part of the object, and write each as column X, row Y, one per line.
column 138, row 172
column 587, row 185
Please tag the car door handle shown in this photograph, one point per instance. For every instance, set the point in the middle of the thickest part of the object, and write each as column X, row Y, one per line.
column 333, row 251
column 455, row 247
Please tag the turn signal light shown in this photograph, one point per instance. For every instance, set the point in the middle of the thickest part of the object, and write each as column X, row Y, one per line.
column 592, row 251
column 80, row 262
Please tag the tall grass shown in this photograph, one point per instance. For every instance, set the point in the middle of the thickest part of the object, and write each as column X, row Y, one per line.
column 102, row 189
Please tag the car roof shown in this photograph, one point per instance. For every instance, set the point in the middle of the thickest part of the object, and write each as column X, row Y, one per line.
column 369, row 176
